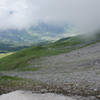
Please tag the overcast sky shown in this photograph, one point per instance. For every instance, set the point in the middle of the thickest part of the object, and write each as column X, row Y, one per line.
column 84, row 14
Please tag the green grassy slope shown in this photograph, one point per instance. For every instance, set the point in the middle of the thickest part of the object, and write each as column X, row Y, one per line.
column 20, row 59
column 2, row 55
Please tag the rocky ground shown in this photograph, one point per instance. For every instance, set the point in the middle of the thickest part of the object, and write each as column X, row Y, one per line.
column 77, row 72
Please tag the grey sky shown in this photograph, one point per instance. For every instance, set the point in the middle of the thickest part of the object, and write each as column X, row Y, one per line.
column 84, row 14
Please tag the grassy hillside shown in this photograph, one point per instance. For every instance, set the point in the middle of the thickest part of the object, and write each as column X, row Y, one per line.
column 20, row 59
column 2, row 55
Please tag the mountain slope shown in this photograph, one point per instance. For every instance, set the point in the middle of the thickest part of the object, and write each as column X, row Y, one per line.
column 74, row 73
column 21, row 59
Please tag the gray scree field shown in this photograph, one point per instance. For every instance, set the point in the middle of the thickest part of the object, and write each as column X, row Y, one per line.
column 79, row 69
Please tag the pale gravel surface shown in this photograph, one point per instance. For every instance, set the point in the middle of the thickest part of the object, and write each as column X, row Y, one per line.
column 80, row 67
column 26, row 95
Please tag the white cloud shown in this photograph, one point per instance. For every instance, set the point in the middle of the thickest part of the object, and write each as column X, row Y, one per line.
column 84, row 14
column 16, row 14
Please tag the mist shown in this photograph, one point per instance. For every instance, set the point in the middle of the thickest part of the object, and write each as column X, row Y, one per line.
column 84, row 15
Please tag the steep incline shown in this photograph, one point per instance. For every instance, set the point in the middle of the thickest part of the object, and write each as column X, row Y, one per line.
column 80, row 69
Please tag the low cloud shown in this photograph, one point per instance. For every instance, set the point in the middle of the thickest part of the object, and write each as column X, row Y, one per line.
column 20, row 14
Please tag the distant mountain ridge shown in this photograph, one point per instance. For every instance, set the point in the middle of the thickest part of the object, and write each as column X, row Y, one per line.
column 32, row 35
column 39, row 34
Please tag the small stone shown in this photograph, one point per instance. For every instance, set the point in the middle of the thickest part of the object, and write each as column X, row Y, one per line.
column 44, row 91
column 95, row 89
column 98, row 96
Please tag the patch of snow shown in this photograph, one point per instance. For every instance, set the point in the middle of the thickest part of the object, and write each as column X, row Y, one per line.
column 23, row 95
